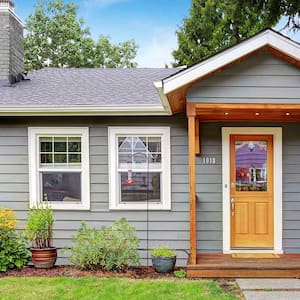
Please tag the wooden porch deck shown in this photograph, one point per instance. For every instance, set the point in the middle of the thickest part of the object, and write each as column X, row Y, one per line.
column 219, row 265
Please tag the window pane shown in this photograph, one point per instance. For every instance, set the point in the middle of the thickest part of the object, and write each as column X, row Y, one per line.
column 139, row 144
column 155, row 158
column 140, row 187
column 251, row 165
column 60, row 158
column 125, row 144
column 46, row 158
column 74, row 144
column 125, row 160
column 61, row 187
column 140, row 158
column 154, row 144
column 60, row 144
column 74, row 158
column 45, row 144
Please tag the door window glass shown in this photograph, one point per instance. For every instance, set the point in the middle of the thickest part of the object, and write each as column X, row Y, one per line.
column 251, row 165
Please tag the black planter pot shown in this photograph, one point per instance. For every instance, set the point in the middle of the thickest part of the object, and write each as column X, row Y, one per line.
column 163, row 264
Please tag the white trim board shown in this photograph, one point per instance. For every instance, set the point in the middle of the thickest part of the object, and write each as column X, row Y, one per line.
column 86, row 110
column 277, row 144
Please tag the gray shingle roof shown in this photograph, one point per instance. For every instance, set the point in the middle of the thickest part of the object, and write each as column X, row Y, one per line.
column 97, row 87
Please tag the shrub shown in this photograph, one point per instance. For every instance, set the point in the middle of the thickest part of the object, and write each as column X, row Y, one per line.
column 110, row 248
column 163, row 251
column 39, row 228
column 180, row 273
column 13, row 252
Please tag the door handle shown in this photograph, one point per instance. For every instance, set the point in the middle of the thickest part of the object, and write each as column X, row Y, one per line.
column 232, row 206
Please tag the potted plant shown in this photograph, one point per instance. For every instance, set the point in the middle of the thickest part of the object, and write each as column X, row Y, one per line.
column 39, row 231
column 163, row 259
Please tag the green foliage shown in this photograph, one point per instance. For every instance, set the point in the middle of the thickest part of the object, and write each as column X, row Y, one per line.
column 120, row 55
column 217, row 24
column 39, row 228
column 180, row 273
column 274, row 9
column 13, row 252
column 110, row 248
column 56, row 37
column 163, row 251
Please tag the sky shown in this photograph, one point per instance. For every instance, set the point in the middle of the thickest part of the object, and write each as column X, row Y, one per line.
column 151, row 23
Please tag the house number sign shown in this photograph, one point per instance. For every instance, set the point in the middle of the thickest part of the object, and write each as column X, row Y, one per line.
column 206, row 160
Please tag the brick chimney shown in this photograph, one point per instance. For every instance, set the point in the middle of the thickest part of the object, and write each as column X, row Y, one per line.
column 11, row 42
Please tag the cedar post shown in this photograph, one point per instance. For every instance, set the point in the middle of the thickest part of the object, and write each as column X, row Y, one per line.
column 191, row 113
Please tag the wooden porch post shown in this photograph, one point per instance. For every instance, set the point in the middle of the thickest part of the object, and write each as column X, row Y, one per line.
column 191, row 113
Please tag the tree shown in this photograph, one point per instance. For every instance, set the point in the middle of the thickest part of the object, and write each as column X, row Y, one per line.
column 56, row 37
column 217, row 24
column 114, row 56
column 277, row 8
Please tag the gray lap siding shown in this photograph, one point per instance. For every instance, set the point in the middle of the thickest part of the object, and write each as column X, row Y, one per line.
column 163, row 227
column 159, row 227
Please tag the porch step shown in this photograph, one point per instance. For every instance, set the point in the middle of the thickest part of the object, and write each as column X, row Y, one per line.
column 208, row 265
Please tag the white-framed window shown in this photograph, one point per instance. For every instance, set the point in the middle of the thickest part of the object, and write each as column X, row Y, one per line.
column 59, row 167
column 139, row 168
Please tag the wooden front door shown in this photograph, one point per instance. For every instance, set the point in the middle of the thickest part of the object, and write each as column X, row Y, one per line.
column 251, row 191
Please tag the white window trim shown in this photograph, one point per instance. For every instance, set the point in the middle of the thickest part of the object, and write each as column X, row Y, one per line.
column 164, row 132
column 33, row 153
column 277, row 181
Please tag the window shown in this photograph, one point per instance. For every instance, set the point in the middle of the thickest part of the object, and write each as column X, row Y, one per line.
column 139, row 159
column 59, row 167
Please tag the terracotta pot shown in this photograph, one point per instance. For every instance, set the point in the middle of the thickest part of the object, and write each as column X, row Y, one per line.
column 44, row 258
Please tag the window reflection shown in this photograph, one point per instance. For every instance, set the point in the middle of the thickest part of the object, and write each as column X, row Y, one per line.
column 251, row 165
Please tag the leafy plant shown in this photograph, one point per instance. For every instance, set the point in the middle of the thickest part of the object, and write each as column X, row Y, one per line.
column 110, row 248
column 180, row 273
column 163, row 251
column 39, row 228
column 13, row 252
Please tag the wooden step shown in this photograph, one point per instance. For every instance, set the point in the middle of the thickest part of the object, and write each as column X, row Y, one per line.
column 208, row 265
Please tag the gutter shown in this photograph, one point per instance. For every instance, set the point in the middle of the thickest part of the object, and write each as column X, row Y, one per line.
column 80, row 110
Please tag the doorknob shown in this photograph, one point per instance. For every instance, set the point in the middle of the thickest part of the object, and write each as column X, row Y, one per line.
column 232, row 206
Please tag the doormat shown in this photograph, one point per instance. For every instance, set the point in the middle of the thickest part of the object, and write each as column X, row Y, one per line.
column 255, row 255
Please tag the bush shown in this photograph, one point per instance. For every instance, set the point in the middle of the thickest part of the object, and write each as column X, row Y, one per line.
column 110, row 248
column 180, row 273
column 163, row 251
column 13, row 252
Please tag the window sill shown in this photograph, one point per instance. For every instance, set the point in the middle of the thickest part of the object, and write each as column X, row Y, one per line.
column 67, row 206
column 140, row 206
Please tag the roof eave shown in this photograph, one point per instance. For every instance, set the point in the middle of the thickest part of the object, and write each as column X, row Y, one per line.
column 164, row 99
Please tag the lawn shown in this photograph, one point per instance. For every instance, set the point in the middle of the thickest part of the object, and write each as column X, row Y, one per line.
column 16, row 288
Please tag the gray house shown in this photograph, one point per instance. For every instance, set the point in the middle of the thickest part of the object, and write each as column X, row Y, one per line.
column 203, row 159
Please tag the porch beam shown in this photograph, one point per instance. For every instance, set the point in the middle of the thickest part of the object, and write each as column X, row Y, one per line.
column 191, row 113
column 212, row 112
column 197, row 138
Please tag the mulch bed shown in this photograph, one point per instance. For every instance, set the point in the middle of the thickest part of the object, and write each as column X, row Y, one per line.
column 140, row 272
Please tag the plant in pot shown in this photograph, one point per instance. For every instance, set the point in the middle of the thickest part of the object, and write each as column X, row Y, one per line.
column 39, row 231
column 163, row 259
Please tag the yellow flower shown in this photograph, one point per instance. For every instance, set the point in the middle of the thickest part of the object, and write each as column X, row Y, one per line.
column 7, row 218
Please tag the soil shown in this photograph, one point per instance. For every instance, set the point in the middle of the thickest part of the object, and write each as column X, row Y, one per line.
column 140, row 272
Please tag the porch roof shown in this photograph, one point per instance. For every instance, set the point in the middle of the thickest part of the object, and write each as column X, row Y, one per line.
column 175, row 86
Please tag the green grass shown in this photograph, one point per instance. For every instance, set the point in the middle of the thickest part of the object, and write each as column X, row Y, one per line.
column 62, row 288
